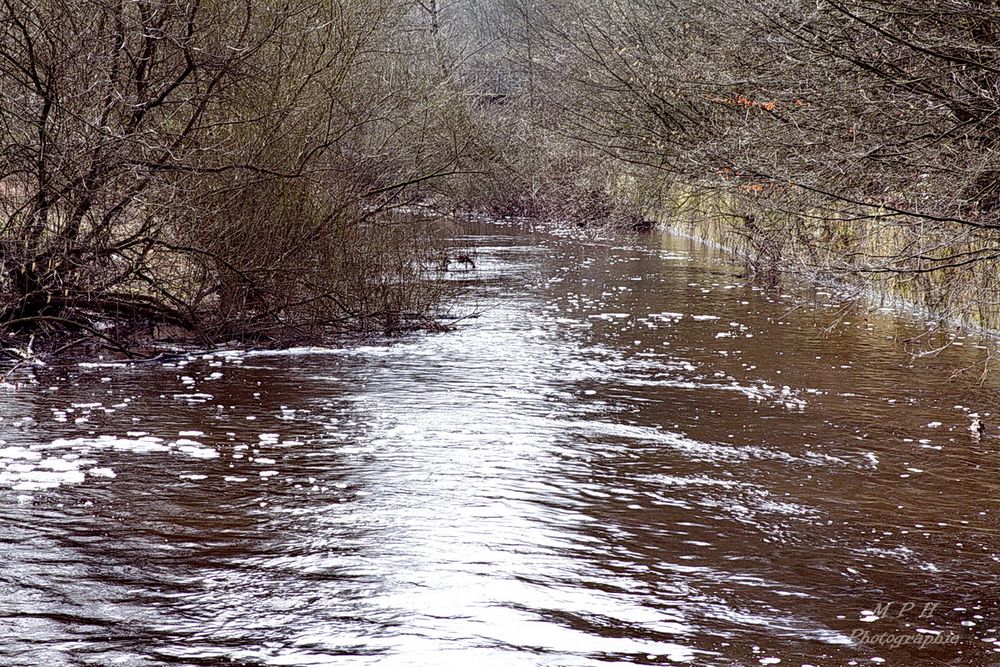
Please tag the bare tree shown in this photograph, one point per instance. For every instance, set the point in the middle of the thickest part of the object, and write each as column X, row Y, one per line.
column 227, row 168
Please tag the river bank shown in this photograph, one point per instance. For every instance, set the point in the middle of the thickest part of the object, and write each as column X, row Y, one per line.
column 949, row 300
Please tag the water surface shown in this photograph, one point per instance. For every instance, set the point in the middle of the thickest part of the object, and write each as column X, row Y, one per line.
column 631, row 455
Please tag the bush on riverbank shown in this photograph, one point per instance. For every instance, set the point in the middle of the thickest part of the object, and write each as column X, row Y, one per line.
column 219, row 170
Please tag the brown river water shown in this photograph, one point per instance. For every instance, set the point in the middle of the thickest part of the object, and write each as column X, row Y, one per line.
column 632, row 456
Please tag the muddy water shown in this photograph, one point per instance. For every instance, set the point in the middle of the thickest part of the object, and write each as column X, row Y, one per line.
column 632, row 456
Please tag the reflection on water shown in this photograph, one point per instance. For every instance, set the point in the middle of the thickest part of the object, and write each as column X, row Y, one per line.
column 631, row 456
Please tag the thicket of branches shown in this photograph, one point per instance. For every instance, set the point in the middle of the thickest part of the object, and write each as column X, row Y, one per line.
column 232, row 169
column 856, row 137
column 226, row 169
column 847, row 137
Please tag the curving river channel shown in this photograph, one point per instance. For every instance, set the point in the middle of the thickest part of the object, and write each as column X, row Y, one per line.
column 631, row 456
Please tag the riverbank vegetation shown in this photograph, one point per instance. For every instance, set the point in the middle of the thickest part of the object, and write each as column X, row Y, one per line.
column 852, row 141
column 213, row 171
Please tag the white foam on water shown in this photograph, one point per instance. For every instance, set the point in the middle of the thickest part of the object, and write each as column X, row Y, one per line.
column 198, row 451
column 194, row 398
column 72, row 460
column 18, row 453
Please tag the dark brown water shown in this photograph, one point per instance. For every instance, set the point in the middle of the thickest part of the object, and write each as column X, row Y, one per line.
column 632, row 457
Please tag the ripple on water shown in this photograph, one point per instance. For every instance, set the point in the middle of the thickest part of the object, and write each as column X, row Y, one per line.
column 583, row 474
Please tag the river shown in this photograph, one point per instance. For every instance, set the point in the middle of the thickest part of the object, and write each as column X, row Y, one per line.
column 630, row 455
